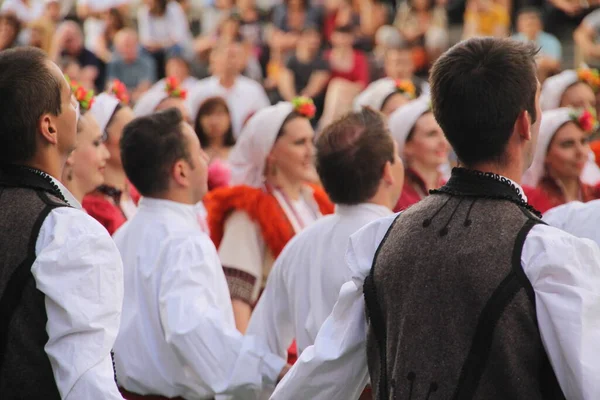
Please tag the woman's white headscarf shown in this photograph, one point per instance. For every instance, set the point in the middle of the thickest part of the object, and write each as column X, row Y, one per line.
column 103, row 108
column 149, row 101
column 552, row 121
column 249, row 155
column 554, row 88
column 402, row 121
column 375, row 94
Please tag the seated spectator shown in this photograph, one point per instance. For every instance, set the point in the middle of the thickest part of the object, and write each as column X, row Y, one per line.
column 349, row 74
column 10, row 27
column 114, row 21
column 424, row 26
column 338, row 13
column 530, row 29
column 387, row 37
column 93, row 12
column 40, row 34
column 52, row 11
column 164, row 30
column 213, row 15
column 25, row 11
column 243, row 95
column 306, row 72
column 561, row 16
column 485, row 18
column 290, row 17
column 213, row 127
column 372, row 15
column 132, row 67
column 178, row 67
column 252, row 23
column 586, row 37
column 68, row 42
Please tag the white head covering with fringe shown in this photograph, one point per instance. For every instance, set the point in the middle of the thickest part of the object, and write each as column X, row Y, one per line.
column 103, row 108
column 554, row 88
column 552, row 121
column 249, row 156
column 402, row 121
column 375, row 94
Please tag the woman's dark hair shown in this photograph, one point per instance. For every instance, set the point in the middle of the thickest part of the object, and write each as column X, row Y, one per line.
column 293, row 115
column 351, row 155
column 160, row 8
column 15, row 23
column 121, row 22
column 150, row 146
column 478, row 89
column 112, row 116
column 28, row 90
column 209, row 106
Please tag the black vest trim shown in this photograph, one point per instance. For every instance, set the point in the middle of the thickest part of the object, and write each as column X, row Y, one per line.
column 516, row 280
column 375, row 316
column 16, row 284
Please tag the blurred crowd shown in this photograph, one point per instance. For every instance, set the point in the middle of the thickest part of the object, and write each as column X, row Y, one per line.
column 328, row 50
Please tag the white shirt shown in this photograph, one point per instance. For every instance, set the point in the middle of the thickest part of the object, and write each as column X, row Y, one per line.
column 577, row 218
column 79, row 270
column 25, row 13
column 306, row 279
column 178, row 335
column 244, row 98
column 173, row 26
column 565, row 275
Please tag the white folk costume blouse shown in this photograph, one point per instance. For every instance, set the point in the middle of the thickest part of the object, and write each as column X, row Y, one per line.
column 563, row 270
column 577, row 218
column 79, row 270
column 178, row 335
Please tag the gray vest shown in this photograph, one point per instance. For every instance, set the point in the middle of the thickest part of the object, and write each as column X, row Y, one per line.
column 26, row 199
column 451, row 312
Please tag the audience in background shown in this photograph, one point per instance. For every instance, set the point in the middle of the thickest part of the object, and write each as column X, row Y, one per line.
column 10, row 27
column 586, row 37
column 132, row 67
column 485, row 18
column 531, row 29
column 424, row 26
column 25, row 11
column 164, row 30
column 114, row 21
column 306, row 72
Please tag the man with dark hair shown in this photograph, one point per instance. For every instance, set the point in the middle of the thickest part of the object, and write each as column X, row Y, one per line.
column 468, row 294
column 60, row 273
column 360, row 168
column 178, row 336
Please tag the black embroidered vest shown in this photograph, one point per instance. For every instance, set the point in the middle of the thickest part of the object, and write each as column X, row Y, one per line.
column 26, row 199
column 451, row 312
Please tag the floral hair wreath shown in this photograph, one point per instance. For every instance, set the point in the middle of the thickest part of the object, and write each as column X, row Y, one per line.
column 119, row 90
column 304, row 106
column 173, row 88
column 84, row 97
column 406, row 87
column 590, row 76
column 586, row 119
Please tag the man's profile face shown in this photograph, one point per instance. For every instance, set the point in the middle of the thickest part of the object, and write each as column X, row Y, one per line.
column 65, row 123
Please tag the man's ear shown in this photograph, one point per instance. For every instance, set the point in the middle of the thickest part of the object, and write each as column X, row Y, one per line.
column 523, row 124
column 48, row 128
column 180, row 173
column 387, row 175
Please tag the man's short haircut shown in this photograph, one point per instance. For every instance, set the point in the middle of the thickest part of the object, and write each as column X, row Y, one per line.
column 478, row 89
column 28, row 90
column 351, row 155
column 150, row 146
column 530, row 10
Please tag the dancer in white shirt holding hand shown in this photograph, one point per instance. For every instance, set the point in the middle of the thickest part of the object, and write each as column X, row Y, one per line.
column 178, row 336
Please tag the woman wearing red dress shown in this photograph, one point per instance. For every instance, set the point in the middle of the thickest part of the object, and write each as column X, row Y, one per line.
column 423, row 147
column 113, row 202
column 561, row 153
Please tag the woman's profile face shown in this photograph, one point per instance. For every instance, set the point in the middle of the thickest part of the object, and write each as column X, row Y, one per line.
column 567, row 153
column 216, row 124
column 293, row 154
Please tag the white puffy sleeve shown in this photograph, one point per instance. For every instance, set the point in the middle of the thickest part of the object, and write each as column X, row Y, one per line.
column 565, row 274
column 79, row 270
